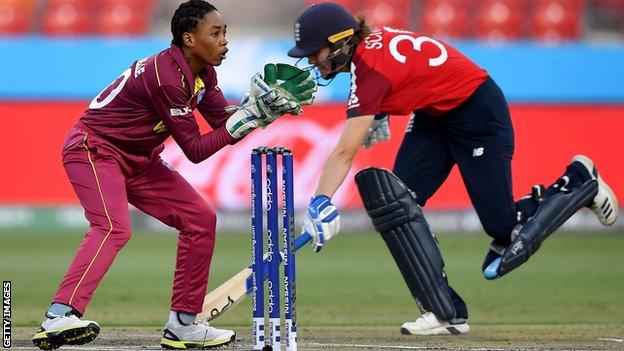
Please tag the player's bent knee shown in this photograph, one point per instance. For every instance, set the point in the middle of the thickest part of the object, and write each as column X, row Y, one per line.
column 201, row 231
column 202, row 222
column 209, row 221
column 121, row 235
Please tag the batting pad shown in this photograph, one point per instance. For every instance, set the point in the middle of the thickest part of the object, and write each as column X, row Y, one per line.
column 398, row 218
column 550, row 215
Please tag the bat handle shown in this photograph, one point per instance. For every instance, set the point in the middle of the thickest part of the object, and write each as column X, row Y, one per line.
column 302, row 240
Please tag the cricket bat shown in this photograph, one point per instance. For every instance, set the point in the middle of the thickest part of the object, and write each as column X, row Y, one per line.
column 235, row 289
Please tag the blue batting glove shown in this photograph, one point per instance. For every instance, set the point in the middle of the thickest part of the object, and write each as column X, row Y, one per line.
column 322, row 221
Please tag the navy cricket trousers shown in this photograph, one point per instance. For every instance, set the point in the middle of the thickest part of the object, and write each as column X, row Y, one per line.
column 478, row 137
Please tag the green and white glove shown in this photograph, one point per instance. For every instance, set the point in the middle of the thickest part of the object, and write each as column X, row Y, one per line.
column 295, row 82
column 261, row 106
column 283, row 90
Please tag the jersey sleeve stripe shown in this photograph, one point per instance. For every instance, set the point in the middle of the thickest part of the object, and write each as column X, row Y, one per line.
column 156, row 69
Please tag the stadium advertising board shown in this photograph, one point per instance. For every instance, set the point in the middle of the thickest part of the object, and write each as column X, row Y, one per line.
column 546, row 138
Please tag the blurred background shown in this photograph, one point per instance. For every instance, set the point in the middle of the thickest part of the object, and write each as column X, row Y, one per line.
column 559, row 62
column 496, row 21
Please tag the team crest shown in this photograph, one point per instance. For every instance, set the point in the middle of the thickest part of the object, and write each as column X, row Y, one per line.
column 297, row 31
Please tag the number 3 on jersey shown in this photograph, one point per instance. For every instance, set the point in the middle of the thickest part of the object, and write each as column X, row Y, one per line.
column 416, row 44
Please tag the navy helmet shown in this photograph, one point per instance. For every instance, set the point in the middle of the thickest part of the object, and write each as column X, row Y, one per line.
column 321, row 25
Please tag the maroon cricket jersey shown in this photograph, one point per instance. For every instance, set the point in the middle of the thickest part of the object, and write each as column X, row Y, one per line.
column 397, row 72
column 154, row 99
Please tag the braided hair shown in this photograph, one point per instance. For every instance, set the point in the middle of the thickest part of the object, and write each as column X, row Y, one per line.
column 187, row 17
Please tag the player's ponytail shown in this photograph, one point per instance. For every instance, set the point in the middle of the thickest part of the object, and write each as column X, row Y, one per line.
column 365, row 29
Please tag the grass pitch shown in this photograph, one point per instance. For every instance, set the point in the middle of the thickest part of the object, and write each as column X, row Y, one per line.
column 574, row 283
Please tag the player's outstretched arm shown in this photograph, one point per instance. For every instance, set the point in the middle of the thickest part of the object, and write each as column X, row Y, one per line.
column 338, row 163
column 322, row 220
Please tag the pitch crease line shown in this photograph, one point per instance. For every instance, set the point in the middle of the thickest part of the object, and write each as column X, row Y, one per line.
column 395, row 347
column 610, row 339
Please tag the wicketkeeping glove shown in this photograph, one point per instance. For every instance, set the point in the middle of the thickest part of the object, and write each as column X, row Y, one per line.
column 322, row 221
column 378, row 131
column 296, row 82
column 261, row 106
column 283, row 90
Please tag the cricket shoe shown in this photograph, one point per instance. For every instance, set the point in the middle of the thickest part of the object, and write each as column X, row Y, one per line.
column 429, row 324
column 57, row 331
column 198, row 335
column 605, row 205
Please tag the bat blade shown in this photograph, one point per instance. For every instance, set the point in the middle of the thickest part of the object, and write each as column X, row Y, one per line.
column 225, row 296
column 234, row 290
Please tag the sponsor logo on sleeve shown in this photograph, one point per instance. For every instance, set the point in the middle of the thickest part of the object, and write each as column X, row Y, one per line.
column 139, row 68
column 180, row 111
column 354, row 101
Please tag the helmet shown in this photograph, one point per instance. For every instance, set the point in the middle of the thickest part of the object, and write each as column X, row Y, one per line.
column 321, row 25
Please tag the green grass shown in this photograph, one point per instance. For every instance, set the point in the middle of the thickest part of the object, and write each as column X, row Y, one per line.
column 354, row 282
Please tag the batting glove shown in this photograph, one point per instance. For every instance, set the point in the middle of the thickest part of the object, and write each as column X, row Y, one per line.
column 378, row 131
column 322, row 221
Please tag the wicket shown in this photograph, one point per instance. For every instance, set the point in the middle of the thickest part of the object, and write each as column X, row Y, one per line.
column 289, row 283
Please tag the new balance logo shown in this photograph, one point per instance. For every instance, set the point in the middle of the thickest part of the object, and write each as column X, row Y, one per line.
column 477, row 151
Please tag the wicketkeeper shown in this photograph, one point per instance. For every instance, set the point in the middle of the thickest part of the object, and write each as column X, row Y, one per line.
column 111, row 157
column 459, row 116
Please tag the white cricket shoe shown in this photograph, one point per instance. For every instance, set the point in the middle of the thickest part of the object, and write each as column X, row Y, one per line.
column 605, row 204
column 198, row 335
column 57, row 331
column 429, row 324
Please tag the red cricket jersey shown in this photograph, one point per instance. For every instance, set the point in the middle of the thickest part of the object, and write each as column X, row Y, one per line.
column 397, row 72
column 155, row 99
